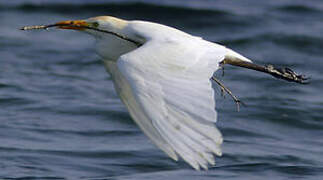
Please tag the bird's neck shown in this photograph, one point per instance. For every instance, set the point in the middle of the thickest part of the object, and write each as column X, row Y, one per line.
column 111, row 47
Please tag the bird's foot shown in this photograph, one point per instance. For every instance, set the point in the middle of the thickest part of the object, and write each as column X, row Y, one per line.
column 286, row 74
column 281, row 73
column 225, row 89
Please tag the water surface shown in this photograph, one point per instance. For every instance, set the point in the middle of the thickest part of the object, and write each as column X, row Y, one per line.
column 60, row 117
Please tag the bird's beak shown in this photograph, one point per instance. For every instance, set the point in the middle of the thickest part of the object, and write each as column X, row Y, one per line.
column 75, row 24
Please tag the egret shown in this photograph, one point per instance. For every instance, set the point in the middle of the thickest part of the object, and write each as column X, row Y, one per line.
column 164, row 78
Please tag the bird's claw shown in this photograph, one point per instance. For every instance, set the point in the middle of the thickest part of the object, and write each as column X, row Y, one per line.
column 225, row 89
column 287, row 74
column 238, row 102
column 222, row 92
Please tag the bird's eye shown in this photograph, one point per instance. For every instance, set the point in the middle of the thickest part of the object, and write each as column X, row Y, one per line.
column 95, row 24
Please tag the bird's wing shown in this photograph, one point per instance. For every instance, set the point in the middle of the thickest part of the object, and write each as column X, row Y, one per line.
column 171, row 97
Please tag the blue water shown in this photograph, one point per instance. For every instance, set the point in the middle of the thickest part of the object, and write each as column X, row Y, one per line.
column 60, row 117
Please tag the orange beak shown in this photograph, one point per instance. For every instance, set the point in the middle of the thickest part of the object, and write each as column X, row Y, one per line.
column 76, row 24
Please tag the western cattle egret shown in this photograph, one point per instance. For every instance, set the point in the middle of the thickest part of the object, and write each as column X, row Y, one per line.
column 163, row 76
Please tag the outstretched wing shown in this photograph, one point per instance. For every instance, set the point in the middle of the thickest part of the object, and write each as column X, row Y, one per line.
column 170, row 96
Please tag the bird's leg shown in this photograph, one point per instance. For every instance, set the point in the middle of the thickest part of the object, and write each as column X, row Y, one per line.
column 222, row 89
column 281, row 73
column 222, row 68
column 225, row 89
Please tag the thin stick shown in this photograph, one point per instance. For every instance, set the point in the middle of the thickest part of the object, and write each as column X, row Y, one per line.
column 25, row 28
column 138, row 44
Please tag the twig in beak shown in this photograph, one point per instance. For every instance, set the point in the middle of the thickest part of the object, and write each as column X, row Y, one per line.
column 25, row 28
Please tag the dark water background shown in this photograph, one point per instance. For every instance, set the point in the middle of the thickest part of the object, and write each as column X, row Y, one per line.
column 60, row 117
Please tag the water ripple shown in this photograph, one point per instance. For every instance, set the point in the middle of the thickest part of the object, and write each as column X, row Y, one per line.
column 62, row 119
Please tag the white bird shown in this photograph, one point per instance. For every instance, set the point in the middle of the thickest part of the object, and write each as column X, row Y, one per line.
column 163, row 76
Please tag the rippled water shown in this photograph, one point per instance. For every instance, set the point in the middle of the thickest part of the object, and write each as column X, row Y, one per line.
column 60, row 117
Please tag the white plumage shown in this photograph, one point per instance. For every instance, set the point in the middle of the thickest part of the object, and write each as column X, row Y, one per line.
column 165, row 83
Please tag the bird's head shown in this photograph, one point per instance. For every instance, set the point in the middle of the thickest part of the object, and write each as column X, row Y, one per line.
column 95, row 25
column 112, row 35
column 101, row 26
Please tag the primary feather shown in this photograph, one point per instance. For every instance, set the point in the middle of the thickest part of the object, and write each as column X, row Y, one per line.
column 166, row 86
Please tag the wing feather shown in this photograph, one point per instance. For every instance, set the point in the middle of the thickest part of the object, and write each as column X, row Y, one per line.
column 145, row 124
column 171, row 96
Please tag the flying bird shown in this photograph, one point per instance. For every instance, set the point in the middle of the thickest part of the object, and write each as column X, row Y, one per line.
column 164, row 78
